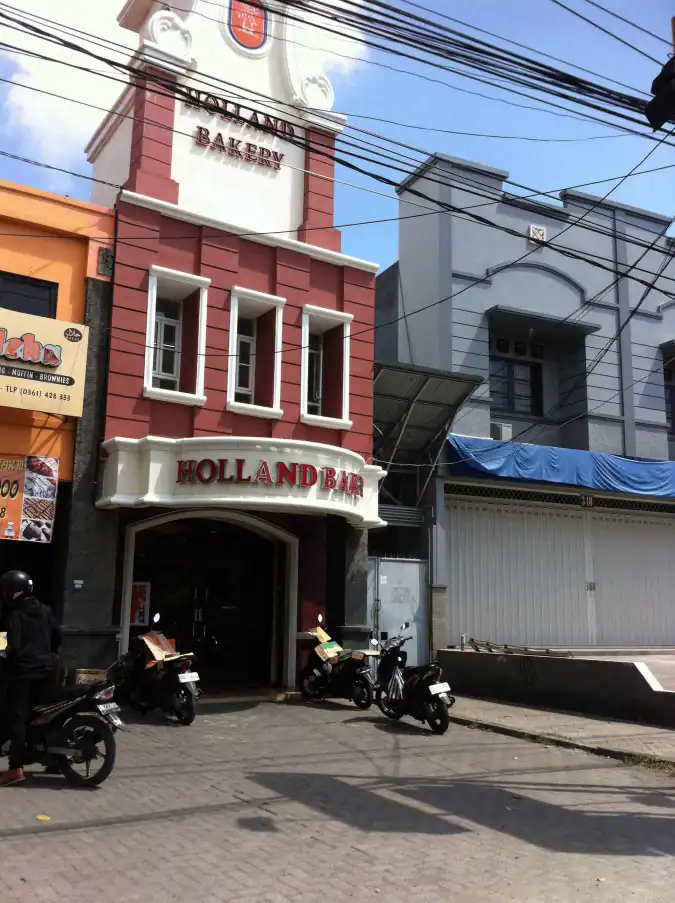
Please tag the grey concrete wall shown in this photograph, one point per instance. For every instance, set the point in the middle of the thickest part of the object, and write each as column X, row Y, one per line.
column 619, row 406
column 595, row 687
column 387, row 313
column 91, row 542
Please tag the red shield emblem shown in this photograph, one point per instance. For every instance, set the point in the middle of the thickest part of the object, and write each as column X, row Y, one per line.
column 248, row 23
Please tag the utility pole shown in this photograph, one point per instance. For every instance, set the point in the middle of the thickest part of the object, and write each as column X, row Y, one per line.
column 661, row 108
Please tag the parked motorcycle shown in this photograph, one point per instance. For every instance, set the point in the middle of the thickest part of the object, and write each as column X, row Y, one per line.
column 418, row 692
column 153, row 676
column 336, row 672
column 77, row 728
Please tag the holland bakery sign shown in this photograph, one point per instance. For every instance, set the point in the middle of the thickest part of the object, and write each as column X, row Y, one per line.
column 280, row 473
column 248, row 28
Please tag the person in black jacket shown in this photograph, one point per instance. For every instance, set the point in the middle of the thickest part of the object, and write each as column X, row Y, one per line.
column 33, row 643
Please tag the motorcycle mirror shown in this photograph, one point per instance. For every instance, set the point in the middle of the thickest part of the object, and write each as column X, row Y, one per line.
column 406, row 625
column 155, row 618
column 374, row 644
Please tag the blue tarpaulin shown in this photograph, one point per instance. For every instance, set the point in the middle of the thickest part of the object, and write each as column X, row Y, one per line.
column 567, row 466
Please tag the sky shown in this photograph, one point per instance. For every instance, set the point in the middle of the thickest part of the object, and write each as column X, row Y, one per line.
column 385, row 95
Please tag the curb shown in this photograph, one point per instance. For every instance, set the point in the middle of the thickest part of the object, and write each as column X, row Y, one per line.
column 621, row 755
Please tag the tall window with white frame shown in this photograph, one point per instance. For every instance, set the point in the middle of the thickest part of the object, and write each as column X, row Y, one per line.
column 314, row 373
column 245, row 363
column 255, row 345
column 167, row 350
column 324, row 400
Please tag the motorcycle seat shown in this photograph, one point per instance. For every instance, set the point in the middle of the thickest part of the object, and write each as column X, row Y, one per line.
column 410, row 670
column 63, row 694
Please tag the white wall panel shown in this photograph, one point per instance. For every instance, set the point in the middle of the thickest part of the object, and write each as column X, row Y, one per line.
column 634, row 573
column 517, row 573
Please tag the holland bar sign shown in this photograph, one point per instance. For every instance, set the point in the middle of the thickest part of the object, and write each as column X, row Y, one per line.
column 42, row 363
column 280, row 473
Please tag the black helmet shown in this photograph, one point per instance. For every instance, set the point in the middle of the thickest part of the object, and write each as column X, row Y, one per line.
column 14, row 586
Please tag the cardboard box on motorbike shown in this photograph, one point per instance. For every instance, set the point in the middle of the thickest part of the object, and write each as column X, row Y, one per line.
column 158, row 646
column 332, row 653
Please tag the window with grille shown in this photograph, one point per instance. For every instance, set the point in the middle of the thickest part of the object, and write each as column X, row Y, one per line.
column 314, row 373
column 167, row 350
column 516, row 386
column 245, row 363
column 255, row 349
column 324, row 398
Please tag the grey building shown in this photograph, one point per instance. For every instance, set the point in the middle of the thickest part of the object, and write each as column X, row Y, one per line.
column 564, row 311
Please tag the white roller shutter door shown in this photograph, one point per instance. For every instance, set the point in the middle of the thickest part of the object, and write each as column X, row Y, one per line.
column 517, row 573
column 634, row 574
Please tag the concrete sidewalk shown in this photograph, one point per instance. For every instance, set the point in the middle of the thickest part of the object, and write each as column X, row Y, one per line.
column 617, row 739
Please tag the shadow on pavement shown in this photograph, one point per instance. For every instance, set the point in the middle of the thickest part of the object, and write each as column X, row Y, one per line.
column 36, row 780
column 260, row 823
column 547, row 825
column 389, row 726
column 204, row 707
column 329, row 705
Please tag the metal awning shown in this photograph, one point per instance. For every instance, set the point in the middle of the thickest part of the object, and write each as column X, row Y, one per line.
column 414, row 408
column 542, row 326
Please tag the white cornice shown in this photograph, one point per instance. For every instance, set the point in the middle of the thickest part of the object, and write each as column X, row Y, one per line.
column 280, row 241
column 121, row 109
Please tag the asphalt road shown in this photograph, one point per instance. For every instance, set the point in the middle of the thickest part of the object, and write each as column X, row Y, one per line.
column 286, row 803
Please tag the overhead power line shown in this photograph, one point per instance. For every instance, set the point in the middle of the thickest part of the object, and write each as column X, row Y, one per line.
column 505, row 40
column 499, row 65
column 610, row 12
column 445, row 207
column 529, row 252
column 611, row 34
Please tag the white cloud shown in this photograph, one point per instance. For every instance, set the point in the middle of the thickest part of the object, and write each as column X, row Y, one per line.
column 49, row 128
column 56, row 130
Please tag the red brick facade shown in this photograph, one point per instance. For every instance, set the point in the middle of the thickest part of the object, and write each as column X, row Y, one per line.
column 146, row 238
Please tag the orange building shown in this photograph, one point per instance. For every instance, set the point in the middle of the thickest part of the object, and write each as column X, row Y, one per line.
column 55, row 266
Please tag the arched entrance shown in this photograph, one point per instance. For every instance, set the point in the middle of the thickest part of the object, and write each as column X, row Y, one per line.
column 227, row 582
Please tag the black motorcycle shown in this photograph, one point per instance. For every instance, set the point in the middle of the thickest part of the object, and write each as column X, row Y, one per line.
column 145, row 683
column 76, row 729
column 418, row 692
column 344, row 675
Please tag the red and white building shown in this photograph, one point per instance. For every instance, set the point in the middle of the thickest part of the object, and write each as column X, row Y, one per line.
column 239, row 412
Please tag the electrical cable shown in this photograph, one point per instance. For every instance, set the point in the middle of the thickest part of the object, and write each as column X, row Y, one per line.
column 522, row 46
column 569, row 226
column 594, row 363
column 634, row 103
column 499, row 58
column 628, row 131
column 611, row 34
column 656, row 370
column 357, row 168
column 487, row 222
column 610, row 12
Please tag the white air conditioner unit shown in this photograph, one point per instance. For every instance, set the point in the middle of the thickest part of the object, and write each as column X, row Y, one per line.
column 501, row 431
column 536, row 234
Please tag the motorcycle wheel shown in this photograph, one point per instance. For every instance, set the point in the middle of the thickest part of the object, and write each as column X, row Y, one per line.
column 187, row 708
column 80, row 732
column 382, row 700
column 309, row 685
column 438, row 717
column 362, row 694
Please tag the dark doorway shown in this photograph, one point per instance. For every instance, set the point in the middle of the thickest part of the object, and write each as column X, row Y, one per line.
column 218, row 591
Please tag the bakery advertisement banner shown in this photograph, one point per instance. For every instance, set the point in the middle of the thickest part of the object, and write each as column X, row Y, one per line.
column 28, row 487
column 42, row 364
